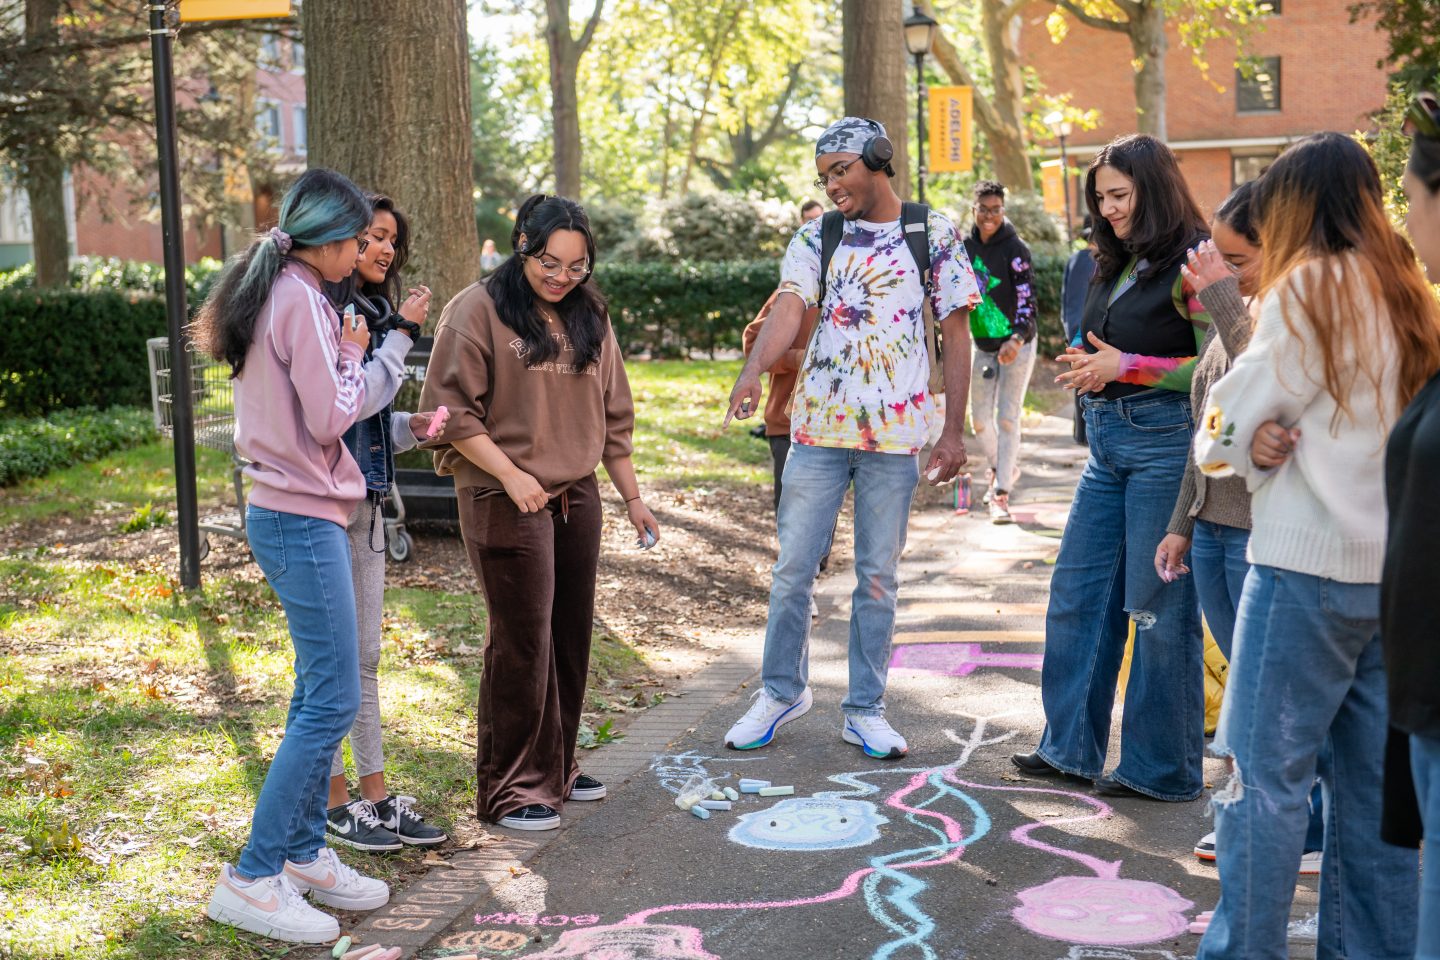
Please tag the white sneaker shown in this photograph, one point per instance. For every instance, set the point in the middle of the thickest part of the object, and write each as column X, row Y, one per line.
column 1311, row 863
column 332, row 883
column 814, row 610
column 271, row 907
column 874, row 735
column 765, row 716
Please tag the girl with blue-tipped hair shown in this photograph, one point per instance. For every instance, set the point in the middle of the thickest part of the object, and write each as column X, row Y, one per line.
column 298, row 387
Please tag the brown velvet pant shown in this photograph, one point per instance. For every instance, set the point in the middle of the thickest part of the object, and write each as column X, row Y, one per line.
column 537, row 571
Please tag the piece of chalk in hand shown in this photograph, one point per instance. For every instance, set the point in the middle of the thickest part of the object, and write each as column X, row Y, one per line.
column 731, row 793
column 715, row 804
column 437, row 420
column 777, row 791
column 342, row 946
column 699, row 811
column 933, row 474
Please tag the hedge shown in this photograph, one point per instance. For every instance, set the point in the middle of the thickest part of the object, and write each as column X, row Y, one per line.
column 89, row 274
column 70, row 349
column 34, row 447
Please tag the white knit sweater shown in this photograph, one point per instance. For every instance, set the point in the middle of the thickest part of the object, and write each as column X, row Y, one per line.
column 1322, row 512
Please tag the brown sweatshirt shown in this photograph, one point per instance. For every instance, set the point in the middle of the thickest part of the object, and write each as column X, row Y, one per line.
column 553, row 421
column 786, row 370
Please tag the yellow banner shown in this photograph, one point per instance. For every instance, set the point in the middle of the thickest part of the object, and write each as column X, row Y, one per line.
column 191, row 10
column 951, row 126
column 1052, row 185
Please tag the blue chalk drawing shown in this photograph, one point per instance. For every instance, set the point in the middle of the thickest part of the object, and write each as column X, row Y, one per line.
column 810, row 823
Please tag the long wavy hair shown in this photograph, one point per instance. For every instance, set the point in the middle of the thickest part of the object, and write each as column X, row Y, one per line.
column 320, row 207
column 1165, row 220
column 582, row 311
column 1321, row 205
column 391, row 287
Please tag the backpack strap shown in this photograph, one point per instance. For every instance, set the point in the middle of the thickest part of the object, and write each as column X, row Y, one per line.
column 915, row 221
column 832, row 229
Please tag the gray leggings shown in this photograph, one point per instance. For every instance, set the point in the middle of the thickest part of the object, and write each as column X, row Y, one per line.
column 367, row 567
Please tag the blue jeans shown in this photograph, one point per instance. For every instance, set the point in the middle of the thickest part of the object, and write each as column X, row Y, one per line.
column 813, row 488
column 1425, row 764
column 1105, row 577
column 1306, row 694
column 307, row 562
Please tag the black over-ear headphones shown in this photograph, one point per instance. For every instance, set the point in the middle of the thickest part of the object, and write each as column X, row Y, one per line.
column 879, row 151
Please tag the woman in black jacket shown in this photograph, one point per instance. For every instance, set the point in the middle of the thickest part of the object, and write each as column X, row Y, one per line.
column 1003, row 330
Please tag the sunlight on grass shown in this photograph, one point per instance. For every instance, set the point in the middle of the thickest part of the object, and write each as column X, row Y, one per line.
column 679, row 406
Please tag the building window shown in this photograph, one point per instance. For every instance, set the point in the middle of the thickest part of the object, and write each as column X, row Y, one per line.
column 270, row 51
column 298, row 118
column 1260, row 92
column 1245, row 169
column 297, row 55
column 267, row 123
column 1271, row 7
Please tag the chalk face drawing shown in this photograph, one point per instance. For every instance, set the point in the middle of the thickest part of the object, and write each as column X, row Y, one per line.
column 810, row 823
column 957, row 659
column 1102, row 910
column 643, row 942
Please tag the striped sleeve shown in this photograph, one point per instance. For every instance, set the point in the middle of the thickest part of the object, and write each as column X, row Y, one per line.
column 1170, row 373
column 327, row 373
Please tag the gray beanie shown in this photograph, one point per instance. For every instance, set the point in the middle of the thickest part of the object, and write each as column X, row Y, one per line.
column 848, row 135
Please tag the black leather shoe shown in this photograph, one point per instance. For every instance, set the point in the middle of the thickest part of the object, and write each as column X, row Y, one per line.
column 1035, row 765
column 1106, row 787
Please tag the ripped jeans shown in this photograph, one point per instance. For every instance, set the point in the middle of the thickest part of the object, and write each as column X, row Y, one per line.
column 1306, row 693
column 1104, row 577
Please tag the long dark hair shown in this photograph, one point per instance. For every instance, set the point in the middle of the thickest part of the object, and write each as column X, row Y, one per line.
column 1165, row 220
column 582, row 312
column 1237, row 212
column 391, row 287
column 320, row 207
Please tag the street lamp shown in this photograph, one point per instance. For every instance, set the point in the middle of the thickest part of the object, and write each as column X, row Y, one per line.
column 919, row 38
column 1056, row 121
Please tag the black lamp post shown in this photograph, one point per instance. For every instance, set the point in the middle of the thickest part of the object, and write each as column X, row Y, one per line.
column 1056, row 121
column 919, row 38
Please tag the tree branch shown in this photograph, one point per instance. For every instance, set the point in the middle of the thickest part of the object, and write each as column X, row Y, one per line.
column 1090, row 20
column 589, row 33
column 773, row 128
column 949, row 59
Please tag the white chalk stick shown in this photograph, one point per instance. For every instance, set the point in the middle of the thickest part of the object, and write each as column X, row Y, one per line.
column 933, row 474
column 716, row 804
column 731, row 793
column 699, row 811
column 777, row 791
column 748, row 788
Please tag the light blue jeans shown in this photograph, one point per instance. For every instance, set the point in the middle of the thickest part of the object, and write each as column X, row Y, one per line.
column 813, row 489
column 1425, row 764
column 307, row 562
column 1306, row 693
column 997, row 402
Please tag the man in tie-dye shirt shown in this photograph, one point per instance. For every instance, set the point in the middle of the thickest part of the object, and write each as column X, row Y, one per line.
column 861, row 414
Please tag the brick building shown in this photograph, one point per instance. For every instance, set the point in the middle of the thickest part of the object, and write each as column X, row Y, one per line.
column 1317, row 72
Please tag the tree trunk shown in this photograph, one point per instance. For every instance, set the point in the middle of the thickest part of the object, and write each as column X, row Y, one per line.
column 565, row 54
column 1008, row 152
column 44, row 177
column 875, row 75
column 397, row 121
column 1148, row 42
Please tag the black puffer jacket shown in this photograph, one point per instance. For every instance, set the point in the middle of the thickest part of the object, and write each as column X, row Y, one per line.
column 1006, row 258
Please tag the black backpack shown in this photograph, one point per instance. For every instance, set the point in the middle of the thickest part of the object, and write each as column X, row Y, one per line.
column 914, row 221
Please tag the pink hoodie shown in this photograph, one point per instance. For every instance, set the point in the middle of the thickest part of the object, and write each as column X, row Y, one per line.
column 301, row 389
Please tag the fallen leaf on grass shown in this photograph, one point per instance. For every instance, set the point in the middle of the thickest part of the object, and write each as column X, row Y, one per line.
column 465, row 650
column 191, row 842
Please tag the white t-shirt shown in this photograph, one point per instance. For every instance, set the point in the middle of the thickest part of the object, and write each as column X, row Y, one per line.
column 864, row 384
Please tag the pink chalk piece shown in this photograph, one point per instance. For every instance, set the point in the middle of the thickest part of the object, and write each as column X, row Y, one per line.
column 634, row 942
column 1199, row 926
column 958, row 659
column 366, row 952
column 392, row 954
column 437, row 421
column 1102, row 910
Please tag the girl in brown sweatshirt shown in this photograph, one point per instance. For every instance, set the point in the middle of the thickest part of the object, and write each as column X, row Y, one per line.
column 529, row 368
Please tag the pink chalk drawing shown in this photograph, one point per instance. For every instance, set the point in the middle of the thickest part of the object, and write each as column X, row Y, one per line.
column 1103, row 909
column 648, row 942
column 958, row 659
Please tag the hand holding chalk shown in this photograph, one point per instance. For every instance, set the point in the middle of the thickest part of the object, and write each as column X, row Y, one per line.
column 933, row 475
column 437, row 421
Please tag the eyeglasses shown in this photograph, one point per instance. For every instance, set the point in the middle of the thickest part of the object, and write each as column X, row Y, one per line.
column 1423, row 116
column 550, row 269
column 836, row 172
column 984, row 211
column 362, row 243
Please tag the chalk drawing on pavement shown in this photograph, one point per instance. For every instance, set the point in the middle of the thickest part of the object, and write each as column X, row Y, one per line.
column 1102, row 910
column 1115, row 953
column 810, row 823
column 614, row 942
column 957, row 659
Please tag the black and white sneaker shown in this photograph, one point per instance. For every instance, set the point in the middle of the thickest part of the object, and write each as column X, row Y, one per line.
column 356, row 825
column 537, row 816
column 400, row 818
column 587, row 788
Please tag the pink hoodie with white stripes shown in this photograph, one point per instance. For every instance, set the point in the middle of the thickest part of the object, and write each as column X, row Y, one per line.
column 300, row 390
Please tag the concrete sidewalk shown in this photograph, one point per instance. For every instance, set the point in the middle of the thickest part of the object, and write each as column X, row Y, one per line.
column 948, row 853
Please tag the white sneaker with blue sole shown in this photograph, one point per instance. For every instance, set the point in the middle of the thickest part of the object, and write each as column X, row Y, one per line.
column 874, row 735
column 765, row 716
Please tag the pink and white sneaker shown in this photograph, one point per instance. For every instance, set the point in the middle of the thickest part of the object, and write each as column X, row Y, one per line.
column 332, row 883
column 271, row 907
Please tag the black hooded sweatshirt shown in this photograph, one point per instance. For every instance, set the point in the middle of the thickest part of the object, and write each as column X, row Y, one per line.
column 1007, row 259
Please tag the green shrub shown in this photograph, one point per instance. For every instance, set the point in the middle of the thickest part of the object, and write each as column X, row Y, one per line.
column 671, row 308
column 69, row 349
column 133, row 276
column 1048, row 274
column 712, row 226
column 32, row 447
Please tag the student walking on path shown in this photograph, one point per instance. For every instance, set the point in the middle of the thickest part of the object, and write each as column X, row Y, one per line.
column 1003, row 330
column 861, row 415
column 529, row 368
column 1347, row 335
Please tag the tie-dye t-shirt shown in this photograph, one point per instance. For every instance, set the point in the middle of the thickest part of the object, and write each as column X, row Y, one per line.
column 864, row 385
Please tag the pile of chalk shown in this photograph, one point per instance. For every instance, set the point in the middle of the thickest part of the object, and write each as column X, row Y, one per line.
column 701, row 796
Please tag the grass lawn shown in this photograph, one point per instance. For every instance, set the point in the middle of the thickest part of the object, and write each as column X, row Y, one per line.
column 136, row 722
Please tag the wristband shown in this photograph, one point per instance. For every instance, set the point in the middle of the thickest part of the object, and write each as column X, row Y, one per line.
column 410, row 328
column 633, row 499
